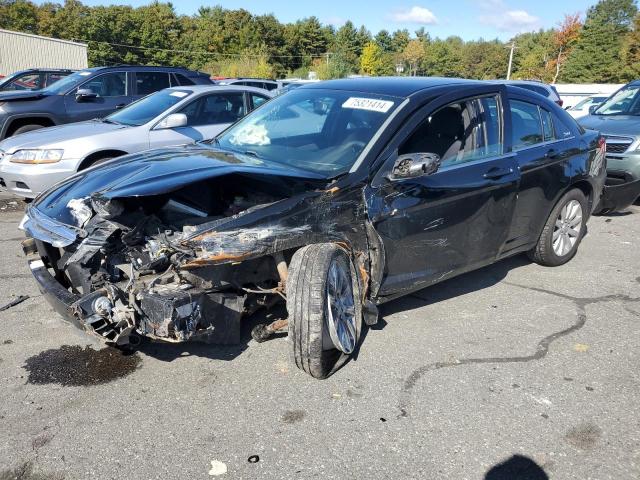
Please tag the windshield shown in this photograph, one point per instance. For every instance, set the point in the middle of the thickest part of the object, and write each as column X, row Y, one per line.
column 625, row 101
column 323, row 131
column 66, row 83
column 148, row 108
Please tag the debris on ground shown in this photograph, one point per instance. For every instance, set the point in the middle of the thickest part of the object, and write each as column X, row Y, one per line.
column 14, row 302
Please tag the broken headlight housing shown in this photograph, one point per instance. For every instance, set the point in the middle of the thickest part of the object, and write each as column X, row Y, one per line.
column 36, row 156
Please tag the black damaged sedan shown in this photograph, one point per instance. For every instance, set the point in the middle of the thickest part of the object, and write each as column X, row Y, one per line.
column 334, row 198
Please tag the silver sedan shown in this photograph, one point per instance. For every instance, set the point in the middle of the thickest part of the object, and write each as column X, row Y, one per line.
column 32, row 162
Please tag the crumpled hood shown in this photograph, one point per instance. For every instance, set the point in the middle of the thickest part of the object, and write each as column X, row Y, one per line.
column 20, row 95
column 627, row 125
column 52, row 137
column 153, row 173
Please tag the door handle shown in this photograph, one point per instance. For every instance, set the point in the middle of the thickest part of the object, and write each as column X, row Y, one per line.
column 120, row 105
column 497, row 172
column 551, row 153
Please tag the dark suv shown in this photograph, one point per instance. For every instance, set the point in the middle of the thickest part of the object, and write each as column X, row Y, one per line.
column 33, row 79
column 87, row 94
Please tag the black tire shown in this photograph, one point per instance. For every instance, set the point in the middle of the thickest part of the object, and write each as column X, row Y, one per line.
column 543, row 253
column 27, row 128
column 307, row 306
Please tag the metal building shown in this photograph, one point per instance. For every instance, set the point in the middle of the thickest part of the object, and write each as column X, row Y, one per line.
column 19, row 51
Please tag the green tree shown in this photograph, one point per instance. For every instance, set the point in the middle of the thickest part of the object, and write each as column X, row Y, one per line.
column 596, row 56
column 384, row 41
column 374, row 61
column 443, row 58
column 630, row 53
column 400, row 39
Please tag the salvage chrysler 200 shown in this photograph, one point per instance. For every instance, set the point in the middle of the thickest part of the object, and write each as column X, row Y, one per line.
column 335, row 197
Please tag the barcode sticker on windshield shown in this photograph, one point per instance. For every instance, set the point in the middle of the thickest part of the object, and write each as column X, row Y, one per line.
column 179, row 94
column 372, row 104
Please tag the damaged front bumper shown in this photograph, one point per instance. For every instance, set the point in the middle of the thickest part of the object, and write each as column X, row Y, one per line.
column 212, row 317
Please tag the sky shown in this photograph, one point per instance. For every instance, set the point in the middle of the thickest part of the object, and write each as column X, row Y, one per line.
column 469, row 19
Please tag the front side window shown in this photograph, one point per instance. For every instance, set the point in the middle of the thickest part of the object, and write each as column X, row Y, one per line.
column 148, row 108
column 149, row 82
column 54, row 77
column 215, row 109
column 108, row 85
column 460, row 132
column 307, row 129
column 625, row 101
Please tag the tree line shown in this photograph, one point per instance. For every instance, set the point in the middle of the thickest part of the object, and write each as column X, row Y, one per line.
column 604, row 46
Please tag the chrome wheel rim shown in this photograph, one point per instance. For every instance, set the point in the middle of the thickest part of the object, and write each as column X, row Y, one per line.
column 567, row 228
column 341, row 312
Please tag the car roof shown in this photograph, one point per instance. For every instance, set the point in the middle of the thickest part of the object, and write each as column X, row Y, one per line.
column 143, row 67
column 394, row 86
column 225, row 88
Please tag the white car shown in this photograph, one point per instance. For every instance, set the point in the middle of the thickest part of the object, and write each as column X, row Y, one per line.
column 581, row 108
column 34, row 161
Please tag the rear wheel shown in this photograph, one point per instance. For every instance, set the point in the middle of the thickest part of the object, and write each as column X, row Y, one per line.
column 563, row 231
column 325, row 312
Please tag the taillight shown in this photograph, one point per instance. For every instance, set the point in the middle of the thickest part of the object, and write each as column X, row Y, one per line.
column 560, row 102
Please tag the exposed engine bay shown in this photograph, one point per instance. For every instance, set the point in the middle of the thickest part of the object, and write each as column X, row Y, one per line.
column 167, row 266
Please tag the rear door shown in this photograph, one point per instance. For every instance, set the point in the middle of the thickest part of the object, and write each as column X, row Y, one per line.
column 543, row 146
column 434, row 226
column 207, row 116
column 112, row 93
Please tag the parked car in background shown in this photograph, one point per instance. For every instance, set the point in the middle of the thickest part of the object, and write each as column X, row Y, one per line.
column 618, row 119
column 541, row 88
column 32, row 162
column 87, row 94
column 251, row 82
column 388, row 186
column 32, row 79
column 581, row 108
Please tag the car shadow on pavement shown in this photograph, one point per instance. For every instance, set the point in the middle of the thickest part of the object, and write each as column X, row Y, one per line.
column 469, row 282
column 518, row 467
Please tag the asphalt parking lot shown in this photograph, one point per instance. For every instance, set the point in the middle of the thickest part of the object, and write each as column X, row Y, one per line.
column 512, row 372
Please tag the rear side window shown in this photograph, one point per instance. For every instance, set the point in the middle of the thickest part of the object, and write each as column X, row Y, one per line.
column 215, row 109
column 183, row 79
column 28, row 81
column 257, row 100
column 150, row 82
column 526, row 124
column 548, row 131
column 460, row 132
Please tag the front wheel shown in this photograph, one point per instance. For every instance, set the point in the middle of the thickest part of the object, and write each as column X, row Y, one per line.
column 563, row 231
column 325, row 311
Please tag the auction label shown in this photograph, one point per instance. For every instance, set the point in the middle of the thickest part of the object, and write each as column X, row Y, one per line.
column 371, row 104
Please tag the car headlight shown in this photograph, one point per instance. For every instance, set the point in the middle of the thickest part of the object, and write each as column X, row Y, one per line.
column 36, row 156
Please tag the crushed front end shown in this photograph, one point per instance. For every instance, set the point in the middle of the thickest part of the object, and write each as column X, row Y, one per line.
column 161, row 266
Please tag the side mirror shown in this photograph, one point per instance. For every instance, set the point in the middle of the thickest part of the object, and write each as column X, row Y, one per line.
column 415, row 165
column 175, row 120
column 84, row 94
column 593, row 108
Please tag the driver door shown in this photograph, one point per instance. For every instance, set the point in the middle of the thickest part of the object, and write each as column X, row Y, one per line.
column 458, row 218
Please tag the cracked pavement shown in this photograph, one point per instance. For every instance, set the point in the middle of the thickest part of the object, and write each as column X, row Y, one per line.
column 513, row 368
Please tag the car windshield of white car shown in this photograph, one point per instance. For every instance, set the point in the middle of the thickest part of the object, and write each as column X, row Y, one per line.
column 624, row 102
column 148, row 108
column 322, row 131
